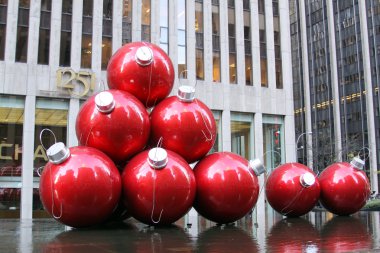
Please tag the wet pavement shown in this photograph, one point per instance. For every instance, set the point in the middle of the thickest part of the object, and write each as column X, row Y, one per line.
column 315, row 232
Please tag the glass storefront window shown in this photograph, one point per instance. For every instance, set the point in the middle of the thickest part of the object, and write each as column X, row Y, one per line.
column 273, row 141
column 242, row 134
column 218, row 142
column 11, row 128
column 50, row 114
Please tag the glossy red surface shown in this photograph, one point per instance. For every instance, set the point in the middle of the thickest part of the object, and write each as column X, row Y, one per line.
column 121, row 133
column 83, row 190
column 151, row 83
column 344, row 189
column 285, row 192
column 346, row 234
column 187, row 128
column 293, row 235
column 226, row 188
column 149, row 193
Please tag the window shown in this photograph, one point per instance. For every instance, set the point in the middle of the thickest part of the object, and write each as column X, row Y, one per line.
column 44, row 38
column 11, row 128
column 218, row 140
column 273, row 143
column 277, row 44
column 3, row 26
column 242, row 134
column 87, row 33
column 65, row 51
column 22, row 31
column 247, row 46
column 127, row 22
column 145, row 20
column 164, row 25
column 232, row 44
column 215, row 42
column 263, row 45
column 50, row 114
column 199, row 59
column 181, row 23
column 107, row 33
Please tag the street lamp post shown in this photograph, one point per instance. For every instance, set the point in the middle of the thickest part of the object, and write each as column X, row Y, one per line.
column 298, row 139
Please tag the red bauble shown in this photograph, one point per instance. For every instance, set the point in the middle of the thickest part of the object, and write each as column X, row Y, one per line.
column 158, row 192
column 144, row 70
column 346, row 234
column 344, row 188
column 292, row 189
column 114, row 122
column 227, row 189
column 81, row 188
column 186, row 126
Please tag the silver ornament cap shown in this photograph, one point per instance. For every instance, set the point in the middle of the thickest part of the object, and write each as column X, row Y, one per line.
column 357, row 163
column 104, row 102
column 307, row 179
column 58, row 153
column 186, row 93
column 157, row 158
column 257, row 166
column 144, row 56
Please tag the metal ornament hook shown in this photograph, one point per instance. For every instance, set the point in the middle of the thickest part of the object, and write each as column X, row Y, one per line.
column 43, row 130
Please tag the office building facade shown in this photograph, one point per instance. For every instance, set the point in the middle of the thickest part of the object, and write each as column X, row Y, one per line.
column 54, row 54
column 335, row 51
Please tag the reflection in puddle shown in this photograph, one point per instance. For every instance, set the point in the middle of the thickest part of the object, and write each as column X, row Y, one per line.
column 293, row 235
column 315, row 232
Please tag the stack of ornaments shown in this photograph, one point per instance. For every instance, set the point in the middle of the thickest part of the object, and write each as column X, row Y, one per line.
column 130, row 162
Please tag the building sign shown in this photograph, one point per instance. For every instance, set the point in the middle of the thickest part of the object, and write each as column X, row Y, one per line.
column 10, row 151
column 79, row 84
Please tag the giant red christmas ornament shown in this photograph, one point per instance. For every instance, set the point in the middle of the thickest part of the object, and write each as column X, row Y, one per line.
column 227, row 186
column 344, row 187
column 144, row 70
column 79, row 186
column 158, row 187
column 185, row 124
column 114, row 122
column 292, row 189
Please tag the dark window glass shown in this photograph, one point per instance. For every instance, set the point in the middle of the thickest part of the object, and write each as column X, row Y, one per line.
column 44, row 38
column 127, row 21
column 86, row 51
column 65, row 47
column 22, row 31
column 3, row 22
column 107, row 33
